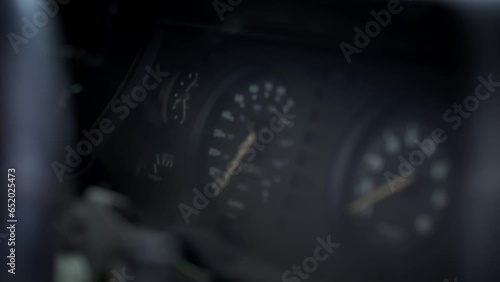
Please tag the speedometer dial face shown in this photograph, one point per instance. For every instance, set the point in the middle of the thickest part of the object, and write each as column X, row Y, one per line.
column 245, row 149
column 398, row 185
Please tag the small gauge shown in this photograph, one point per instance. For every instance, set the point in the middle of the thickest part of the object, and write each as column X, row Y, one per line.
column 156, row 167
column 398, row 185
column 177, row 98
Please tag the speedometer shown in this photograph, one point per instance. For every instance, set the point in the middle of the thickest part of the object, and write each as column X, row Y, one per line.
column 244, row 148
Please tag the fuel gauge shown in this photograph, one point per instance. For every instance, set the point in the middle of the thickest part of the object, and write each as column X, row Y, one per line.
column 156, row 167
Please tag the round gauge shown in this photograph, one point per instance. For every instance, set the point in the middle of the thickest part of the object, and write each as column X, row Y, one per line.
column 154, row 168
column 176, row 104
column 245, row 146
column 398, row 186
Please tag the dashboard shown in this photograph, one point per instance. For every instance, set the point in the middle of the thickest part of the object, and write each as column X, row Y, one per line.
column 263, row 141
column 256, row 141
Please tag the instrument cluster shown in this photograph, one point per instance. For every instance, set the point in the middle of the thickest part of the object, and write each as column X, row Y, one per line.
column 264, row 144
column 263, row 140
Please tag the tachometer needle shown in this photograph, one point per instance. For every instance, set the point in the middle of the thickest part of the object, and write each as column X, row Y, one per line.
column 242, row 148
column 380, row 193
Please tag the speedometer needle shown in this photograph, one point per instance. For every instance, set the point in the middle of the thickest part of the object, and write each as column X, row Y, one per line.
column 380, row 193
column 242, row 148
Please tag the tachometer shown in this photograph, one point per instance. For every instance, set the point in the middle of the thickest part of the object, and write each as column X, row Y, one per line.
column 398, row 184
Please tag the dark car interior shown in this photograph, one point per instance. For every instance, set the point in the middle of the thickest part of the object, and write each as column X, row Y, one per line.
column 238, row 140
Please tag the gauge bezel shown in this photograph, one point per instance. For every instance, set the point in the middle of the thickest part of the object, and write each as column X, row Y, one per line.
column 378, row 118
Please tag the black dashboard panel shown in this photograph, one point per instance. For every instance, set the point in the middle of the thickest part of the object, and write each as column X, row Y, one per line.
column 235, row 140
